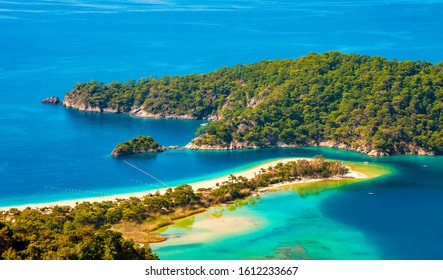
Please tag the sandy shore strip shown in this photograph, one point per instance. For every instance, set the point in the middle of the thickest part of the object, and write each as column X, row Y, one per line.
column 249, row 173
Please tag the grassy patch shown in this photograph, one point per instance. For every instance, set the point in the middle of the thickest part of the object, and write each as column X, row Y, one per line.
column 143, row 232
column 372, row 170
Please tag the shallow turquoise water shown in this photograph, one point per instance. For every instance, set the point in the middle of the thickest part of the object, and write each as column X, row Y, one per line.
column 400, row 220
column 293, row 228
column 48, row 153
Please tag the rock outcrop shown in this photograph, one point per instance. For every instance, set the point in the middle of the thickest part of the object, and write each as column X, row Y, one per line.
column 139, row 112
column 52, row 100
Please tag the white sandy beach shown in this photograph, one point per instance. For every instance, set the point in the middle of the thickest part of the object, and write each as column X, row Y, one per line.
column 249, row 173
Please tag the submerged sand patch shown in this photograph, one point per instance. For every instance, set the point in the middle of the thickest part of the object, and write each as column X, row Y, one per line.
column 207, row 228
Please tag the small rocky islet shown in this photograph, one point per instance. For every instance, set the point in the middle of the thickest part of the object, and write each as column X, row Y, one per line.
column 52, row 100
column 140, row 144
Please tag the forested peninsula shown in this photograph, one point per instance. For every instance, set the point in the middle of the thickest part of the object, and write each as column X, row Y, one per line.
column 115, row 229
column 362, row 103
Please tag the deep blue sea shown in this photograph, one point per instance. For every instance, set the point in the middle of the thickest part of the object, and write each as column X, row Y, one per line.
column 49, row 153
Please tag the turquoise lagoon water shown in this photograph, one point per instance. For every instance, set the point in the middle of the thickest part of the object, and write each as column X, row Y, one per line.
column 49, row 153
column 399, row 220
column 286, row 225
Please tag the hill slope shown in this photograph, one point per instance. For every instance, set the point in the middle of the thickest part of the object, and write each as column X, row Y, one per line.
column 362, row 103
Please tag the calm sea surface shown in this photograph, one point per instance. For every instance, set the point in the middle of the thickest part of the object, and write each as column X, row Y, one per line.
column 49, row 153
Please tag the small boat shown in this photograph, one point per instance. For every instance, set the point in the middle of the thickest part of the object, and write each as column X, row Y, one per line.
column 204, row 124
column 370, row 193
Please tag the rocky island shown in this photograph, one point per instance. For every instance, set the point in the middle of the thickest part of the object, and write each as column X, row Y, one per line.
column 140, row 144
column 52, row 100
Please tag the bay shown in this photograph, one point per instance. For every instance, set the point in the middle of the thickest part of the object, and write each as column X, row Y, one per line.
column 49, row 153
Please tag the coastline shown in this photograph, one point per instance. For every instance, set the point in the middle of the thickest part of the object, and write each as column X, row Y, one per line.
column 211, row 183
column 138, row 113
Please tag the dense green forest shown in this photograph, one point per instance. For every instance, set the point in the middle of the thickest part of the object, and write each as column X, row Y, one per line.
column 89, row 230
column 140, row 144
column 352, row 101
column 65, row 233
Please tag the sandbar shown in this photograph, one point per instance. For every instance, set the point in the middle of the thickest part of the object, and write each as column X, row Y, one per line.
column 249, row 173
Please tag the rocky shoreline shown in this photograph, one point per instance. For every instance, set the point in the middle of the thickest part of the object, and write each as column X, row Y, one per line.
column 117, row 153
column 136, row 112
column 139, row 112
column 326, row 144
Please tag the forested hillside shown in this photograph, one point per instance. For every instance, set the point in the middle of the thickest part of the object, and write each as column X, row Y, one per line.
column 363, row 103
